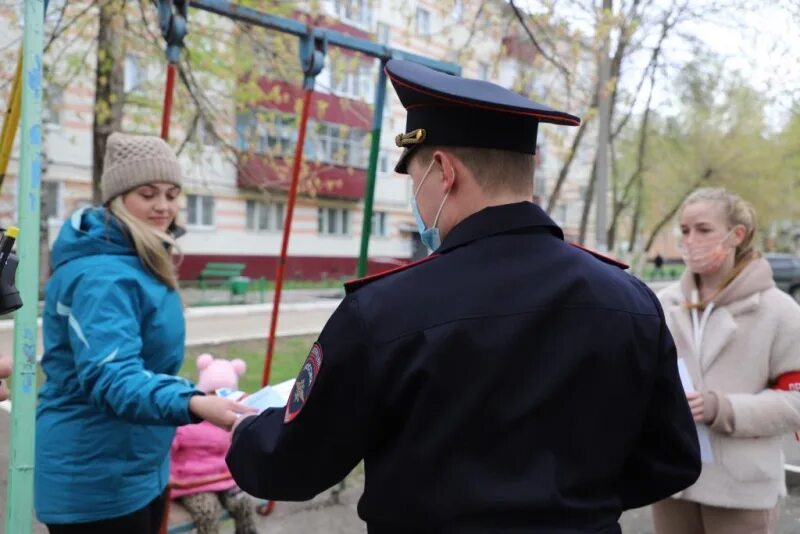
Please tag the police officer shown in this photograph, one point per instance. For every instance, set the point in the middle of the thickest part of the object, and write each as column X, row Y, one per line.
column 507, row 383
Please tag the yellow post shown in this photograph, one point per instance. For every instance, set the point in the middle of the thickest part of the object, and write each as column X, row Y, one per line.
column 12, row 121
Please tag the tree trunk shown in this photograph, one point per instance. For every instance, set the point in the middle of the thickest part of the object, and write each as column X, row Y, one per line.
column 637, row 213
column 109, row 85
column 587, row 204
column 564, row 172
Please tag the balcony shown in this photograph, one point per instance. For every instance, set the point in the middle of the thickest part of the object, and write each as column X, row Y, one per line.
column 318, row 179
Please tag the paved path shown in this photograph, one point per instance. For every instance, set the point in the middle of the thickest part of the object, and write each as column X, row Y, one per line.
column 221, row 324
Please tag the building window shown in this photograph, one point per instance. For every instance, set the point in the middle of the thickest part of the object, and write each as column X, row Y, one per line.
column 540, row 187
column 277, row 134
column 382, row 33
column 200, row 210
column 266, row 133
column 340, row 145
column 353, row 80
column 333, row 221
column 457, row 14
column 52, row 105
column 52, row 200
column 483, row 71
column 356, row 11
column 383, row 161
column 379, row 224
column 204, row 133
column 264, row 216
column 133, row 74
column 423, row 21
column 560, row 215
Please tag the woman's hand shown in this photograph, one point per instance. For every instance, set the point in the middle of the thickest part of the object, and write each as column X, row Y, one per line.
column 218, row 411
column 5, row 372
column 697, row 405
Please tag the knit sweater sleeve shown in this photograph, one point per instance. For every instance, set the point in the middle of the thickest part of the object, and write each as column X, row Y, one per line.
column 770, row 412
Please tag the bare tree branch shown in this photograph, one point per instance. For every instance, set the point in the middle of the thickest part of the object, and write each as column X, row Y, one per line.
column 474, row 26
column 544, row 54
column 58, row 30
column 674, row 209
column 564, row 172
column 588, row 198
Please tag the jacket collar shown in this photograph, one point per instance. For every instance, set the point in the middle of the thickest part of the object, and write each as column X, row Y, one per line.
column 499, row 220
column 755, row 278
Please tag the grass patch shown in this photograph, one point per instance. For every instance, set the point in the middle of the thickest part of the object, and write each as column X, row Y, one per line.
column 290, row 353
column 668, row 272
column 269, row 285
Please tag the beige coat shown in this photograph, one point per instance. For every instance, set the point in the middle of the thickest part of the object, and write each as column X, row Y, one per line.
column 751, row 337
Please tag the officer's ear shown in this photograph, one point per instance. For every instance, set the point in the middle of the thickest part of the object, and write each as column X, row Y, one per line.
column 448, row 164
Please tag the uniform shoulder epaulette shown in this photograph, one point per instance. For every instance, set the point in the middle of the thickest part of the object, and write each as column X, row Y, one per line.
column 352, row 285
column 603, row 258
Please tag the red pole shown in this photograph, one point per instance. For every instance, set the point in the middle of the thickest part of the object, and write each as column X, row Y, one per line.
column 167, row 110
column 298, row 160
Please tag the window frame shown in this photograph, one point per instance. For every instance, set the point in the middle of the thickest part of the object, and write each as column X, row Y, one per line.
column 422, row 15
column 275, row 212
column 334, row 221
column 379, row 226
column 201, row 210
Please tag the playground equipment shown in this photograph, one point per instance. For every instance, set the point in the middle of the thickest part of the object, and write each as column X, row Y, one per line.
column 314, row 42
column 25, row 102
column 19, row 504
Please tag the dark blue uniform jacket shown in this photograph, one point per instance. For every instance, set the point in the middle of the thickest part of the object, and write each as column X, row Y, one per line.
column 511, row 383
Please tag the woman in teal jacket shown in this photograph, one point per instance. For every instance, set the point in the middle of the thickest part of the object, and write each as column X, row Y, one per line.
column 113, row 342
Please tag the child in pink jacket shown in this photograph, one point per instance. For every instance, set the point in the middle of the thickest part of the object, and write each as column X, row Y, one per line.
column 198, row 474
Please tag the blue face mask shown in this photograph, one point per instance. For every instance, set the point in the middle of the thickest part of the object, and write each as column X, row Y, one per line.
column 430, row 237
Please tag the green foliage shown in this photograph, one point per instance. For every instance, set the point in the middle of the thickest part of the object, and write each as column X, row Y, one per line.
column 717, row 135
column 290, row 353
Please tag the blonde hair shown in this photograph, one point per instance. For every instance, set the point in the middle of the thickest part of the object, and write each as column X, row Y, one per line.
column 152, row 246
column 737, row 212
column 496, row 171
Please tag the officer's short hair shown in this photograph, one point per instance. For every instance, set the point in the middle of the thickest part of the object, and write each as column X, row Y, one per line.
column 496, row 171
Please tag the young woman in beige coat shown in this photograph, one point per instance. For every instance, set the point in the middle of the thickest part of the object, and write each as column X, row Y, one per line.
column 739, row 337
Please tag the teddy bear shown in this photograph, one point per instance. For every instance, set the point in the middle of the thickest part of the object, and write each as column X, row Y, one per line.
column 199, row 477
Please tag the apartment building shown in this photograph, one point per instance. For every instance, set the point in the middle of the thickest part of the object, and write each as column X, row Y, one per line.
column 235, row 201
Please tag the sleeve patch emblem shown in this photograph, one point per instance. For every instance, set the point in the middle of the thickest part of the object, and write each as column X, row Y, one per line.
column 305, row 381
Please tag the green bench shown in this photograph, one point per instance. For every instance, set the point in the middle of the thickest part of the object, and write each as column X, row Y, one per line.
column 230, row 276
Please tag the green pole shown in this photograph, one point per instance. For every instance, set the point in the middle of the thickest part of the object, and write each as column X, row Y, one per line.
column 375, row 146
column 19, row 509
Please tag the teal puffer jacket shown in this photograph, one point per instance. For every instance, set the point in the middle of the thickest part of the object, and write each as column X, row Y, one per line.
column 113, row 342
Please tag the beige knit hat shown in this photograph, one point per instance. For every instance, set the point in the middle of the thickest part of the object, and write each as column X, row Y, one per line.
column 134, row 160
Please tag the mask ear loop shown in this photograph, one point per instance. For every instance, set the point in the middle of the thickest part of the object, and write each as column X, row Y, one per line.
column 424, row 177
column 441, row 206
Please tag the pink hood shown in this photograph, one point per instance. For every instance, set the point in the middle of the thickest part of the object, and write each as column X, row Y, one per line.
column 198, row 452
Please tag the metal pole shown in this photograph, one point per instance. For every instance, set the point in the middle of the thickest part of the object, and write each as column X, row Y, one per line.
column 19, row 510
column 264, row 20
column 287, row 225
column 11, row 122
column 167, row 110
column 604, row 112
column 369, row 194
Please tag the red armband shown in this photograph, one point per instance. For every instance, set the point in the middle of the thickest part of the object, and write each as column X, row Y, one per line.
column 789, row 382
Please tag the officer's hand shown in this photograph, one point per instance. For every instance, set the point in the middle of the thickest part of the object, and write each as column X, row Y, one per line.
column 5, row 372
column 697, row 405
column 218, row 411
